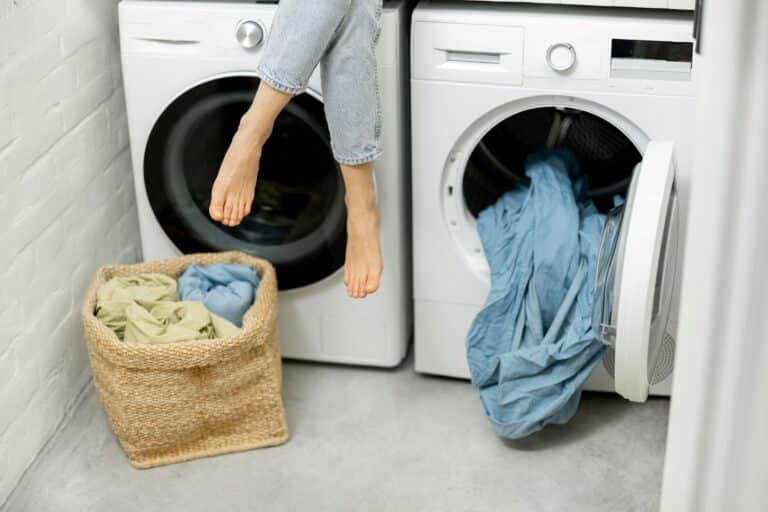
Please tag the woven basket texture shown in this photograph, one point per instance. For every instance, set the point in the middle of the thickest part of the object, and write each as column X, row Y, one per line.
column 179, row 401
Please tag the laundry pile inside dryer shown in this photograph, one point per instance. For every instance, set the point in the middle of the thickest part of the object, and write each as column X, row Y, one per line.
column 207, row 302
column 532, row 346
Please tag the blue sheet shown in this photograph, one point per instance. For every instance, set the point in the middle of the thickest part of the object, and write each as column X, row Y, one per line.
column 226, row 290
column 532, row 346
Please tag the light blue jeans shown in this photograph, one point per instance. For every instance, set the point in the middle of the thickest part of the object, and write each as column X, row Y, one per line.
column 341, row 36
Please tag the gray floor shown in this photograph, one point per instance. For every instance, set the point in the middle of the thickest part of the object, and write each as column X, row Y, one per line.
column 371, row 440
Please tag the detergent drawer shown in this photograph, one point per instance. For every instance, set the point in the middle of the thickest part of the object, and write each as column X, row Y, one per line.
column 447, row 51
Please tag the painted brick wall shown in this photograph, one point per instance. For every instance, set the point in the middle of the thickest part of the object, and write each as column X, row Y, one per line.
column 66, row 206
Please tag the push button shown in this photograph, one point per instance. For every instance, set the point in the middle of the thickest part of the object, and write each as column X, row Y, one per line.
column 250, row 34
column 561, row 57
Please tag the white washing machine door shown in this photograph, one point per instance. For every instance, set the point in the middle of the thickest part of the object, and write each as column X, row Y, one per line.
column 636, row 271
column 298, row 218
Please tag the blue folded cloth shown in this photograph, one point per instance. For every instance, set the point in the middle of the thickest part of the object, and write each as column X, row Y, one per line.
column 532, row 346
column 226, row 290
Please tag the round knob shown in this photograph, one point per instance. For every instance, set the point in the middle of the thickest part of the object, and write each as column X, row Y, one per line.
column 561, row 57
column 250, row 34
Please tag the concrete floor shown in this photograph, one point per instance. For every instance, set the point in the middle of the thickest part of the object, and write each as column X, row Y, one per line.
column 371, row 440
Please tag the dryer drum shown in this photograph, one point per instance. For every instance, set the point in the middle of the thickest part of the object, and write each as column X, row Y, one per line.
column 605, row 154
column 298, row 218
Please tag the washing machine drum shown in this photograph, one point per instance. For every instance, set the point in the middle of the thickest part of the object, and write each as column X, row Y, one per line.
column 298, row 217
column 604, row 154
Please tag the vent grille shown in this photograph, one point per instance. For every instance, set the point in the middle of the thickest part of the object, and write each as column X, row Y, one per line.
column 664, row 364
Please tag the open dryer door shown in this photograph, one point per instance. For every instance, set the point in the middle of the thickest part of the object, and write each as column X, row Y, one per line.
column 636, row 272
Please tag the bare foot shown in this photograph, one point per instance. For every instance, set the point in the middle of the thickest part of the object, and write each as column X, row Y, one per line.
column 363, row 265
column 233, row 190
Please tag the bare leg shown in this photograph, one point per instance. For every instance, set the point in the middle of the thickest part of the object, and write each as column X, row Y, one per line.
column 343, row 34
column 233, row 191
column 353, row 109
column 301, row 32
column 363, row 265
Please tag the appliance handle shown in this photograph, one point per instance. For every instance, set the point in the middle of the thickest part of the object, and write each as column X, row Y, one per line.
column 162, row 40
column 472, row 57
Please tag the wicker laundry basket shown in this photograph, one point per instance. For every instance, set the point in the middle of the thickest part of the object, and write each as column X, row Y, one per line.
column 179, row 401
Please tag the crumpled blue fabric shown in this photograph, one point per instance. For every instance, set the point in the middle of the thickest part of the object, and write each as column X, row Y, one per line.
column 226, row 290
column 532, row 346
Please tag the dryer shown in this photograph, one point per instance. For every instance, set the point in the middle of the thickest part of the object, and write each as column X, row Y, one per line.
column 492, row 83
column 187, row 67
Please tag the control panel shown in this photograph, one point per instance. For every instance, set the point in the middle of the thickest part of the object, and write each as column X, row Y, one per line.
column 683, row 5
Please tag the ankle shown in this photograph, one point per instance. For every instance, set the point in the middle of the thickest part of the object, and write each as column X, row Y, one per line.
column 361, row 203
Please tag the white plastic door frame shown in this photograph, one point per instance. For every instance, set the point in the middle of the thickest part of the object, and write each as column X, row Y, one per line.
column 717, row 447
column 650, row 205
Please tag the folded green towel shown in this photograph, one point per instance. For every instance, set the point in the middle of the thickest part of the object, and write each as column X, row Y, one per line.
column 145, row 309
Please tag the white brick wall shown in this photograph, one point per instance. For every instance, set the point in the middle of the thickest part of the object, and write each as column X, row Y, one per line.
column 66, row 206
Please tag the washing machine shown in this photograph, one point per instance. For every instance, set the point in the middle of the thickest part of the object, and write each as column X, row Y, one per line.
column 188, row 71
column 492, row 83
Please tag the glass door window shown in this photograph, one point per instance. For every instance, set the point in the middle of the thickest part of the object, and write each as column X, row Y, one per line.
column 298, row 218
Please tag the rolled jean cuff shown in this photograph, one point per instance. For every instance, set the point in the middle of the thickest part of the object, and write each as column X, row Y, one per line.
column 264, row 74
column 358, row 160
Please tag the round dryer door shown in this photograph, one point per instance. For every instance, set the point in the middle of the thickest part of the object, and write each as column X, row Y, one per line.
column 636, row 272
column 298, row 217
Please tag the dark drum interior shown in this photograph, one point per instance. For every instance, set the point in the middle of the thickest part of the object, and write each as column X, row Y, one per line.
column 605, row 154
column 298, row 218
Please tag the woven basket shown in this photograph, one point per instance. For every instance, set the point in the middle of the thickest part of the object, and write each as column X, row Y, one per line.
column 179, row 401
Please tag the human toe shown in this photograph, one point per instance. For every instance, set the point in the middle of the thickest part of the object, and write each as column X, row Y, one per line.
column 352, row 285
column 372, row 284
column 360, row 287
column 245, row 208
column 229, row 206
column 216, row 209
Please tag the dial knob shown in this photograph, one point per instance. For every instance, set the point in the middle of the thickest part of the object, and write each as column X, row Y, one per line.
column 561, row 57
column 250, row 34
